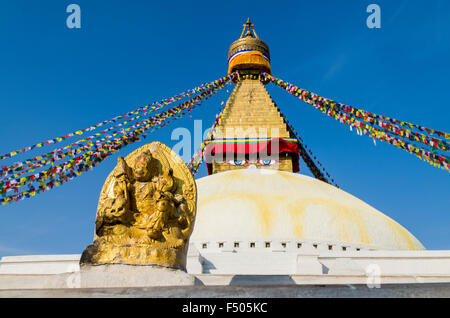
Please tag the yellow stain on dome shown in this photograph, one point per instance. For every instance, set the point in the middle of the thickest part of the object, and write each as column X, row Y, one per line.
column 403, row 233
column 339, row 214
column 264, row 219
column 297, row 217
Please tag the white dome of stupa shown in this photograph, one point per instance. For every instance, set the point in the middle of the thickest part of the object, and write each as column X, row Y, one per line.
column 259, row 204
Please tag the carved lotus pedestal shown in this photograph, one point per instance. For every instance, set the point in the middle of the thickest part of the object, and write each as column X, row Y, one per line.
column 145, row 217
column 135, row 254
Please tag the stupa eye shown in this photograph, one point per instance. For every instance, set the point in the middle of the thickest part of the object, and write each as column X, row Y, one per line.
column 267, row 162
column 237, row 162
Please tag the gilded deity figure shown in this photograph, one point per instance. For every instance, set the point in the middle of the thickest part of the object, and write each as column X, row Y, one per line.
column 145, row 212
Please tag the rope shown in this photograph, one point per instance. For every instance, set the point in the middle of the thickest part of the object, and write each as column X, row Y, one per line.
column 198, row 156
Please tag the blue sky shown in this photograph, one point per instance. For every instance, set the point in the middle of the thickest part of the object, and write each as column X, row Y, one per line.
column 55, row 80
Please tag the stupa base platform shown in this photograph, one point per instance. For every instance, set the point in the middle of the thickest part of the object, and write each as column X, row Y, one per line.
column 274, row 291
column 119, row 275
column 103, row 276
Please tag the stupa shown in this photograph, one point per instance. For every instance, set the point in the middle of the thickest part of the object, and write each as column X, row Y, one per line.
column 259, row 221
column 257, row 215
column 276, row 203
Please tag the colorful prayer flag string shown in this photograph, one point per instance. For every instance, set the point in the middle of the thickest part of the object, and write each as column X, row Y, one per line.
column 304, row 150
column 198, row 156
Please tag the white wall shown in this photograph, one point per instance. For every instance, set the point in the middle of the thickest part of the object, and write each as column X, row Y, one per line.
column 297, row 262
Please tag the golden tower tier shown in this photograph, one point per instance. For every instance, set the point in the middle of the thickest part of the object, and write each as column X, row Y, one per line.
column 251, row 132
column 249, row 52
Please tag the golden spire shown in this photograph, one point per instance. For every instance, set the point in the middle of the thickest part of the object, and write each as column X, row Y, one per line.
column 251, row 131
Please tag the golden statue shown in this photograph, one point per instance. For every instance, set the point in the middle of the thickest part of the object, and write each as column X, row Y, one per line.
column 146, row 211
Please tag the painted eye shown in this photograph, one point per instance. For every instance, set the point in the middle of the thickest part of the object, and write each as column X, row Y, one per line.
column 267, row 162
column 237, row 162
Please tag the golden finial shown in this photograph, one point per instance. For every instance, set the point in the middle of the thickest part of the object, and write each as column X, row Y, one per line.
column 250, row 30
